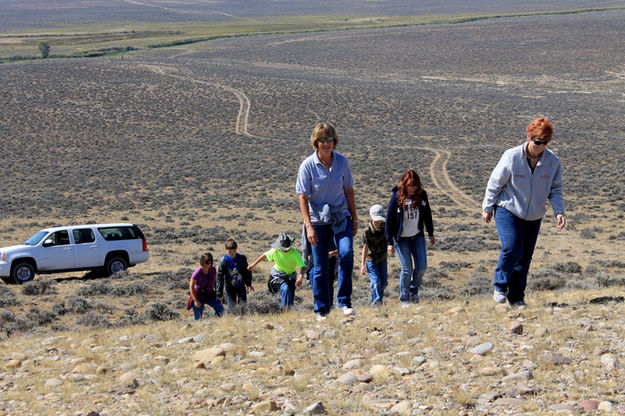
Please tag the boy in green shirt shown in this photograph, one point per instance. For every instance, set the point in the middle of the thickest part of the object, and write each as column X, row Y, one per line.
column 283, row 277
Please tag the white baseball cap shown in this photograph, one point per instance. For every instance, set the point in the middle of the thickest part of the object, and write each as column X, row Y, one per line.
column 377, row 213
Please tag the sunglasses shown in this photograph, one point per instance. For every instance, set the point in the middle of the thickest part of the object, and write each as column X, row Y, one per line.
column 325, row 139
column 539, row 143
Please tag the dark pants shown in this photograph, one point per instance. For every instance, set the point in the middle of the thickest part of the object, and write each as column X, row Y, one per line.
column 213, row 302
column 236, row 295
column 518, row 239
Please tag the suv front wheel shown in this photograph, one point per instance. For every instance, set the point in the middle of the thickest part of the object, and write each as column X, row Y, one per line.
column 23, row 272
column 114, row 265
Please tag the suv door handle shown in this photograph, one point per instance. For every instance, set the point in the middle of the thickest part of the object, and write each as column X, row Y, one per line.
column 67, row 249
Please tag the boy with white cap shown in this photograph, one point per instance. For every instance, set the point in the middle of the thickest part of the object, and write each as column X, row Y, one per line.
column 374, row 254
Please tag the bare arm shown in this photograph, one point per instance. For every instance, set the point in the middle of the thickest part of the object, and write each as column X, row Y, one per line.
column 310, row 231
column 193, row 293
column 258, row 260
column 363, row 264
column 351, row 203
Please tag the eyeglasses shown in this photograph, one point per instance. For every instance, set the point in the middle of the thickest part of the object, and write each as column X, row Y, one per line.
column 539, row 143
column 325, row 139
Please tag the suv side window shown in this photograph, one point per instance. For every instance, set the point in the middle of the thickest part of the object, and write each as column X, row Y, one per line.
column 83, row 236
column 59, row 238
column 120, row 233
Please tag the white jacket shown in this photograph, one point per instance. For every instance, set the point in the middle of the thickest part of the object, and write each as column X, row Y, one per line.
column 513, row 185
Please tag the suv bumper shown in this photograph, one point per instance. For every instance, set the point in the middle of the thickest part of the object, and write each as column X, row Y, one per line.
column 5, row 270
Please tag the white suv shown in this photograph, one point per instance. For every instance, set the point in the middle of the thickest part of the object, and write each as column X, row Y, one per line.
column 113, row 247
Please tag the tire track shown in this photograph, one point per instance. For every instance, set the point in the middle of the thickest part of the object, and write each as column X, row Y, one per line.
column 241, row 124
column 441, row 179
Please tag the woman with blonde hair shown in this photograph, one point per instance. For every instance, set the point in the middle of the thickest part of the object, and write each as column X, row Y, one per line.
column 517, row 192
column 325, row 188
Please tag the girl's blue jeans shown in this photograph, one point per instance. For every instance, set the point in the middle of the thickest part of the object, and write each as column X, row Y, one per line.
column 413, row 260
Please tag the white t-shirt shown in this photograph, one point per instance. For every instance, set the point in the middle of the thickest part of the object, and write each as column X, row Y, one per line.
column 410, row 225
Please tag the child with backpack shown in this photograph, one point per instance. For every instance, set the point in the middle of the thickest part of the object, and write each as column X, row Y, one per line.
column 283, row 277
column 202, row 288
column 233, row 276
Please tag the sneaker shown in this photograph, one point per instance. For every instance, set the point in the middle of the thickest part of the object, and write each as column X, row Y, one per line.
column 519, row 305
column 415, row 298
column 347, row 310
column 321, row 317
column 405, row 304
column 500, row 297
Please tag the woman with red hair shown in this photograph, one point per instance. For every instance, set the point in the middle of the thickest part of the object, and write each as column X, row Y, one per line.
column 407, row 213
column 517, row 192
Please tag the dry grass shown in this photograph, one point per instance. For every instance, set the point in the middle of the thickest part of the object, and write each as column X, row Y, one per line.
column 294, row 360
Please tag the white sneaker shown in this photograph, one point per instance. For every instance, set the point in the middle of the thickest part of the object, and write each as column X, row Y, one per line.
column 500, row 297
column 347, row 310
column 321, row 317
column 405, row 304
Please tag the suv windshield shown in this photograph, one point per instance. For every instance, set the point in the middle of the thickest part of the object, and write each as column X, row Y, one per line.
column 36, row 238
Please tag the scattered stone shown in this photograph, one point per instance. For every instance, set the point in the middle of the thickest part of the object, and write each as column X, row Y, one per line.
column 589, row 405
column 564, row 409
column 265, row 406
column 53, row 382
column 347, row 379
column 402, row 371
column 606, row 406
column 207, row 355
column 516, row 328
column 311, row 335
column 403, row 408
column 379, row 371
column 453, row 311
column 228, row 347
column 315, row 409
column 20, row 356
column 351, row 364
column 14, row 364
column 218, row 359
column 256, row 354
column 419, row 360
column 365, row 378
column 129, row 379
column 609, row 362
column 554, row 358
column 185, row 340
column 228, row 387
column 482, row 348
column 199, row 364
column 523, row 375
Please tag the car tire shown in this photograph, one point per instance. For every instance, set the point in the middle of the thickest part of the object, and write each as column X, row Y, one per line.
column 115, row 265
column 22, row 272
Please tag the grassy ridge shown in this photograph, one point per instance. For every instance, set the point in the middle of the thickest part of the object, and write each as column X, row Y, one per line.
column 119, row 38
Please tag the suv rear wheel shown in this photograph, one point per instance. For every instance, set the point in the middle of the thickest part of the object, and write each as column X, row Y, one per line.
column 115, row 264
column 23, row 272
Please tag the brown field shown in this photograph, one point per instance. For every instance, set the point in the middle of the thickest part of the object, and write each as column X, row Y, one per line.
column 202, row 142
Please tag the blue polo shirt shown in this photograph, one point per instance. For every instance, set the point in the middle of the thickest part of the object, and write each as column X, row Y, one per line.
column 324, row 187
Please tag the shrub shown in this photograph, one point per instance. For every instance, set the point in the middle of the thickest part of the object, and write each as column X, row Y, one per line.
column 568, row 267
column 546, row 279
column 44, row 48
column 39, row 287
column 136, row 288
column 479, row 284
column 158, row 311
column 59, row 308
column 95, row 289
column 606, row 280
column 93, row 320
column 41, row 317
column 77, row 305
column 7, row 297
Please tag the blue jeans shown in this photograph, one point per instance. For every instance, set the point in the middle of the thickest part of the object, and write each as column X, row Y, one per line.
column 378, row 275
column 518, row 239
column 287, row 293
column 236, row 295
column 344, row 241
column 409, row 249
column 213, row 303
